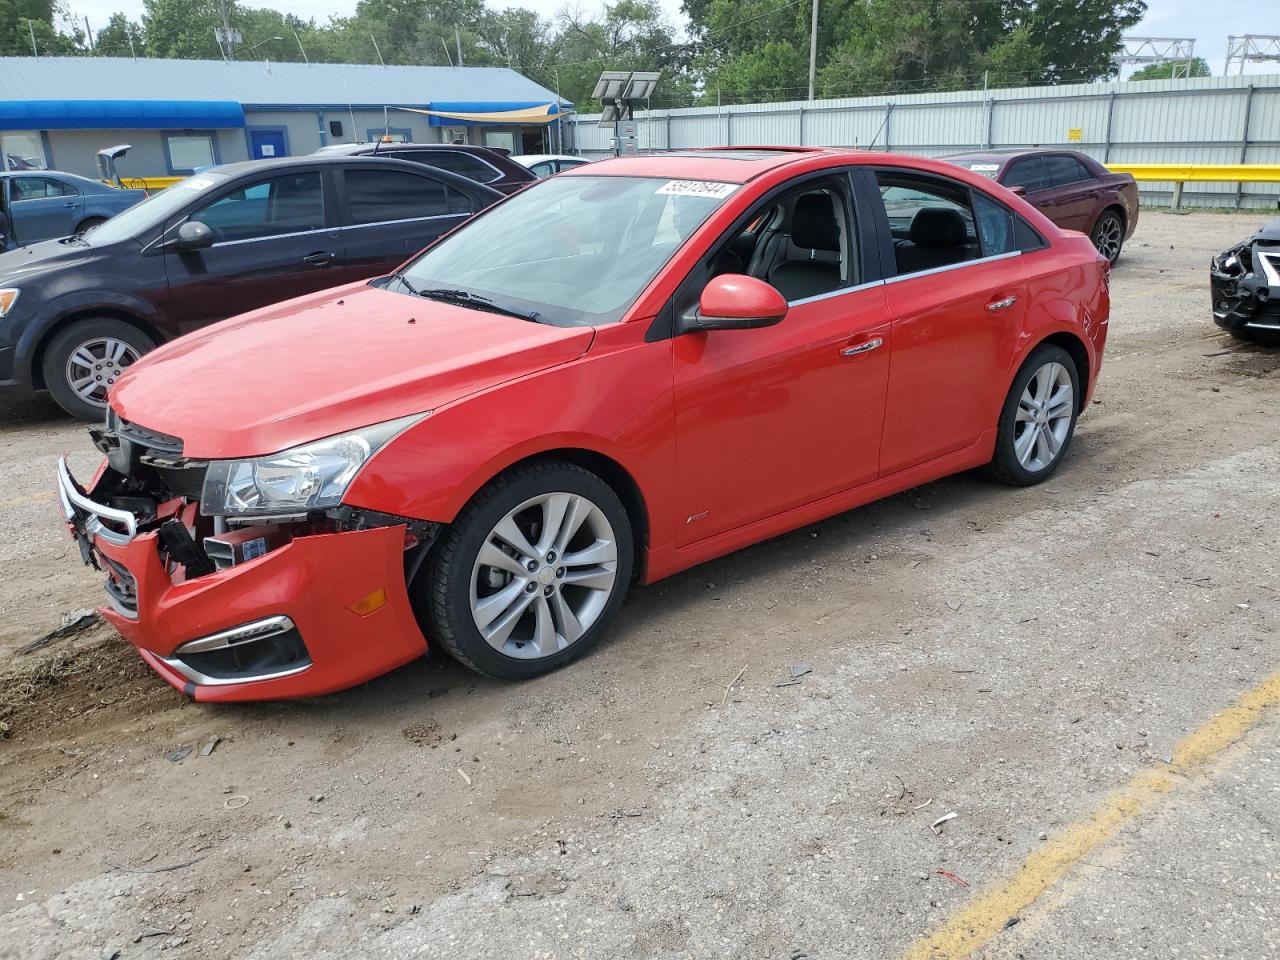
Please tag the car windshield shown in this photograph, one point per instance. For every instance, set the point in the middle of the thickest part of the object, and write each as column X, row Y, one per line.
column 573, row 250
column 153, row 211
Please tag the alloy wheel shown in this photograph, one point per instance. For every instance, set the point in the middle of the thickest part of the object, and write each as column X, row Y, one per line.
column 544, row 575
column 1107, row 236
column 1044, row 417
column 95, row 365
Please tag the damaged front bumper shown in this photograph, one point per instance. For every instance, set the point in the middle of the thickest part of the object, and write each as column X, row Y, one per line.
column 269, row 611
column 1245, row 284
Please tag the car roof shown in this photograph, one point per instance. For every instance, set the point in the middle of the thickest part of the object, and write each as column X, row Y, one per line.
column 726, row 164
column 1004, row 154
column 305, row 160
column 348, row 148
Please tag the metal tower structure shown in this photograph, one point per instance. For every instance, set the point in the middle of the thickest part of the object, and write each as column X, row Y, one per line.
column 1180, row 51
column 1250, row 48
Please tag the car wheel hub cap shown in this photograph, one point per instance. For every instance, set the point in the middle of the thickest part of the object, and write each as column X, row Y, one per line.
column 95, row 365
column 1043, row 417
column 544, row 575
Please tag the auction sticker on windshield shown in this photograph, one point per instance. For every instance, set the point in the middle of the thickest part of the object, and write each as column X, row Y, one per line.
column 697, row 188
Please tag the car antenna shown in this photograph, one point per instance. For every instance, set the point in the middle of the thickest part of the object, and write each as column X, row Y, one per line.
column 386, row 131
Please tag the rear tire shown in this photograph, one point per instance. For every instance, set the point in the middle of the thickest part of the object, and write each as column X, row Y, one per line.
column 1038, row 419
column 530, row 574
column 84, row 359
column 1108, row 235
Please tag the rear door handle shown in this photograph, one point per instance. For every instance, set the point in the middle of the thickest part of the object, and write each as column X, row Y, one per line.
column 319, row 259
column 862, row 348
column 995, row 306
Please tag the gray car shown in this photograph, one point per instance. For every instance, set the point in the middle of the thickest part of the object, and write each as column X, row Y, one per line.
column 40, row 205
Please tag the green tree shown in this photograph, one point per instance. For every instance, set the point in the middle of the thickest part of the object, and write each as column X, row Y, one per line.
column 1163, row 71
column 184, row 29
column 121, row 37
column 21, row 19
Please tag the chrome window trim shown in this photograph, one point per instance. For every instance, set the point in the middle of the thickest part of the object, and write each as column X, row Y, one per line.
column 383, row 223
column 932, row 271
column 836, row 293
column 274, row 236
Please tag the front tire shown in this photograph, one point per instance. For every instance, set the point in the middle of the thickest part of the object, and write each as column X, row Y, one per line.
column 89, row 223
column 531, row 573
column 83, row 361
column 1038, row 419
column 1108, row 235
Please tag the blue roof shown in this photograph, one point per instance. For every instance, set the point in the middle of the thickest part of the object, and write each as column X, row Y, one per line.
column 120, row 115
column 260, row 83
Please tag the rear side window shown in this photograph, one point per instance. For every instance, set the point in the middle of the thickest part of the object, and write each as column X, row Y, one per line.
column 1061, row 170
column 1027, row 173
column 455, row 161
column 1000, row 230
column 378, row 196
column 266, row 208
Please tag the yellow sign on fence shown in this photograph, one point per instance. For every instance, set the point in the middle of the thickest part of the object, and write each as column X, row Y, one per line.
column 1075, row 134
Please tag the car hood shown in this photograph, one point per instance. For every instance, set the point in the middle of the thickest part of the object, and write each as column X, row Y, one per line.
column 22, row 262
column 327, row 363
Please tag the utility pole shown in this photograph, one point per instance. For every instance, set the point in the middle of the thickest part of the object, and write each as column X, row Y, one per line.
column 88, row 33
column 35, row 51
column 457, row 38
column 301, row 49
column 813, row 48
column 230, row 51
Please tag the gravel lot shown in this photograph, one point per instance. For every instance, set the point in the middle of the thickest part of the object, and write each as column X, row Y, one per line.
column 1061, row 667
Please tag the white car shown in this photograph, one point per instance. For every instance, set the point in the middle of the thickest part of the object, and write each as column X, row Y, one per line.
column 549, row 164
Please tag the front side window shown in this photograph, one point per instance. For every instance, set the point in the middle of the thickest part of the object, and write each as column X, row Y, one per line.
column 576, row 250
column 380, row 196
column 188, row 152
column 800, row 243
column 931, row 221
column 277, row 205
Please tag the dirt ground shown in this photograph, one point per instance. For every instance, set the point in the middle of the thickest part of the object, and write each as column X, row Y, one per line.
column 1021, row 658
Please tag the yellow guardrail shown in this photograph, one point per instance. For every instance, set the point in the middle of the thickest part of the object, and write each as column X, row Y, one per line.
column 1180, row 173
column 149, row 183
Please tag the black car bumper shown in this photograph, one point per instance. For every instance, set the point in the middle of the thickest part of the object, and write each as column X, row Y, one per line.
column 1244, row 283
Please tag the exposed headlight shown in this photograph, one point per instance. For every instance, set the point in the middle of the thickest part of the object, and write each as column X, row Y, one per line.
column 8, row 297
column 310, row 477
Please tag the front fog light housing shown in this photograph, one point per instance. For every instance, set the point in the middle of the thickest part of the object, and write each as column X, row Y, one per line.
column 313, row 476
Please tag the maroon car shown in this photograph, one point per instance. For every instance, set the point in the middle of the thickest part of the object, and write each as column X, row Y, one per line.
column 1071, row 189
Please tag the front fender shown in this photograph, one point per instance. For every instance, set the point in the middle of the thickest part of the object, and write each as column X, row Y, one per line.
column 53, row 313
column 616, row 402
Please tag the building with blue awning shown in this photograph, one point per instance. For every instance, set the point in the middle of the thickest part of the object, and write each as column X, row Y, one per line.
column 182, row 115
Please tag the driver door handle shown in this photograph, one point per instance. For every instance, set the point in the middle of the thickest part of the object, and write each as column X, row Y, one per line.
column 319, row 259
column 996, row 306
column 861, row 348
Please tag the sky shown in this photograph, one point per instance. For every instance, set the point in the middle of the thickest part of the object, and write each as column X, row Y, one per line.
column 1208, row 21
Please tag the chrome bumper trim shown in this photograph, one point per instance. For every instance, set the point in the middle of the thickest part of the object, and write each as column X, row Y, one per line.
column 245, row 633
column 72, row 499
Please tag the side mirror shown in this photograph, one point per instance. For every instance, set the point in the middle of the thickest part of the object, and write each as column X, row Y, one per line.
column 1018, row 190
column 733, row 301
column 192, row 235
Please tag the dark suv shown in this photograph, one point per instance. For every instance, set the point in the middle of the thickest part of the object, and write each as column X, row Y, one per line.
column 480, row 164
column 75, row 312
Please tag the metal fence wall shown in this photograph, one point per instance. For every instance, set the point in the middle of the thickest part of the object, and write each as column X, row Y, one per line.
column 1201, row 120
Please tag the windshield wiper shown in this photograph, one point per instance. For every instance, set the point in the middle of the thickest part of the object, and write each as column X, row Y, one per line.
column 463, row 298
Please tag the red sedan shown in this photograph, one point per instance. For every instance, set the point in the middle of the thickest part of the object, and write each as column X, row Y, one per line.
column 1071, row 188
column 607, row 378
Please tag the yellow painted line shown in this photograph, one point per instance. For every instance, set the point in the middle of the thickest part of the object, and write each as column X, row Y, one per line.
column 984, row 917
column 28, row 498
